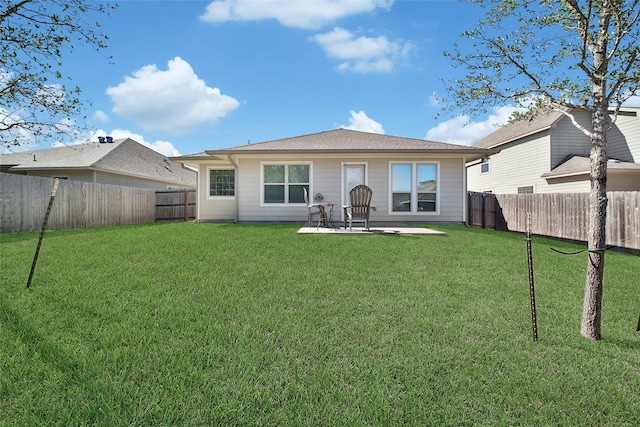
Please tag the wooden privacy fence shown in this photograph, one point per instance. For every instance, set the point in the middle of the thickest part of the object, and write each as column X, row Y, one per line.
column 24, row 200
column 560, row 215
column 176, row 205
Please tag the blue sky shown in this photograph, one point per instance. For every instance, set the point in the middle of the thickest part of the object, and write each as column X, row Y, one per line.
column 188, row 76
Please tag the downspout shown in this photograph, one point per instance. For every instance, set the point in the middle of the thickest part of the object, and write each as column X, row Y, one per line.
column 198, row 190
column 465, row 195
column 235, row 165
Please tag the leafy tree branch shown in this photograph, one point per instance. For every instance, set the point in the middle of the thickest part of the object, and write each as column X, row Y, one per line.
column 35, row 97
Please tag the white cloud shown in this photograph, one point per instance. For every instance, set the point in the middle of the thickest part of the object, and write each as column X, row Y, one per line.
column 163, row 147
column 173, row 101
column 360, row 121
column 101, row 116
column 300, row 14
column 363, row 54
column 460, row 130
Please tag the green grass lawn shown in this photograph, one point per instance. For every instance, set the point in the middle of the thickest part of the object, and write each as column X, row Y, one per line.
column 222, row 324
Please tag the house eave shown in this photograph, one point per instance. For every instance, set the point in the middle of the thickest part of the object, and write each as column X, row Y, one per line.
column 471, row 153
column 519, row 137
column 21, row 168
column 105, row 171
column 549, row 176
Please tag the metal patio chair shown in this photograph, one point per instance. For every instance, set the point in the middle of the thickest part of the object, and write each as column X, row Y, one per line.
column 314, row 211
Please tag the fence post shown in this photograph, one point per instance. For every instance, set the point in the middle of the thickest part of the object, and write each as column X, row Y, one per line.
column 44, row 227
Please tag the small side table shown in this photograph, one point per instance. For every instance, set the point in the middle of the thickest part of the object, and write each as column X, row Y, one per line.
column 330, row 214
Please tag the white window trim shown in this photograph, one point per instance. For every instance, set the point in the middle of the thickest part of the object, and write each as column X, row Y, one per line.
column 209, row 196
column 285, row 163
column 414, row 190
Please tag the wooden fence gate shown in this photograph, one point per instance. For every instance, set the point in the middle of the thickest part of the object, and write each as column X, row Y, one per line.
column 485, row 212
column 175, row 205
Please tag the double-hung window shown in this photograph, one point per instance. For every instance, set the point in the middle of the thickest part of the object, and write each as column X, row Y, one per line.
column 222, row 182
column 284, row 183
column 414, row 187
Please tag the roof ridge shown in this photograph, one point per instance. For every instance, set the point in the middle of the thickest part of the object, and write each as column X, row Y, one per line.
column 116, row 144
column 281, row 139
column 341, row 130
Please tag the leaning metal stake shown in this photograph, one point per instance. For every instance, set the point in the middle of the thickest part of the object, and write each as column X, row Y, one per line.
column 532, row 294
column 44, row 227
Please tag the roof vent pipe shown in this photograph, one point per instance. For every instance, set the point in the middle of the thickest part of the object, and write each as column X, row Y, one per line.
column 101, row 139
column 109, row 139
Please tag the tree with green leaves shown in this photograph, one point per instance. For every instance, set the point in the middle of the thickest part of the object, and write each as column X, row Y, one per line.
column 558, row 55
column 36, row 99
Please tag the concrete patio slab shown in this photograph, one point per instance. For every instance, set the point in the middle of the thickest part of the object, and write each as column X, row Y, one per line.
column 390, row 229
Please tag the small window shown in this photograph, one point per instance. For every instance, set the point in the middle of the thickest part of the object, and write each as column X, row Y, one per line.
column 485, row 165
column 222, row 182
column 525, row 190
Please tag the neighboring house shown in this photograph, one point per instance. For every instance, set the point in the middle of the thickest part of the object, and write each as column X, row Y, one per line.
column 550, row 155
column 119, row 162
column 412, row 179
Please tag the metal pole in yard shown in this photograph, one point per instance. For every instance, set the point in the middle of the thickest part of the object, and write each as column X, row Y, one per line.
column 44, row 227
column 532, row 294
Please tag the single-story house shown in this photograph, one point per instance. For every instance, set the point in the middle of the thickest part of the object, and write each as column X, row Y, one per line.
column 108, row 161
column 412, row 179
column 550, row 155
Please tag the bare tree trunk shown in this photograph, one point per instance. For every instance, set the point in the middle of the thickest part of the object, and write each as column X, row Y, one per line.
column 592, row 308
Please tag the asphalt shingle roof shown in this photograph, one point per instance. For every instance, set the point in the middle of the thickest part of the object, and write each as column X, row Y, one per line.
column 122, row 156
column 579, row 165
column 79, row 156
column 519, row 129
column 345, row 140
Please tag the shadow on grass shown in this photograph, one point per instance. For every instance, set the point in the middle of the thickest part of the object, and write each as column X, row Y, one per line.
column 626, row 344
column 70, row 370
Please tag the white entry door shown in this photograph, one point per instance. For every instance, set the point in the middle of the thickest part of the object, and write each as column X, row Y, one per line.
column 352, row 174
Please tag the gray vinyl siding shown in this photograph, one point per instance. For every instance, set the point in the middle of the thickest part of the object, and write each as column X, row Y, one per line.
column 326, row 178
column 574, row 184
column 623, row 182
column 76, row 175
column 522, row 163
column 111, row 178
column 623, row 141
column 567, row 140
column 478, row 181
column 518, row 165
column 211, row 208
column 103, row 178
